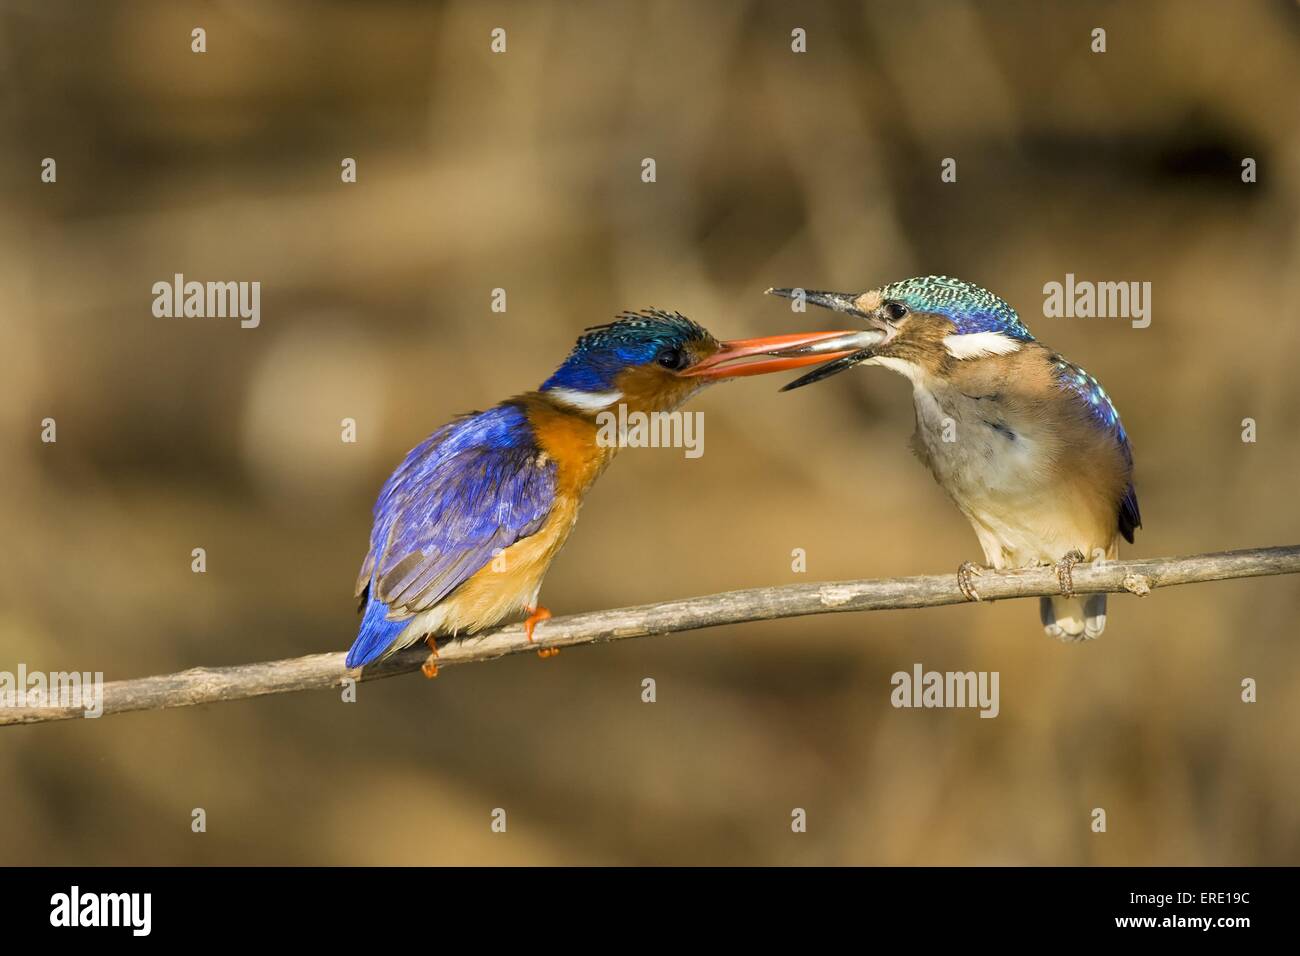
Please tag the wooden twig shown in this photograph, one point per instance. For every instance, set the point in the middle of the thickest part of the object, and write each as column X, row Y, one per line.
column 206, row 685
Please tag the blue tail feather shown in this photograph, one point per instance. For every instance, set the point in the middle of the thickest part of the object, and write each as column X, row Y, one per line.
column 377, row 635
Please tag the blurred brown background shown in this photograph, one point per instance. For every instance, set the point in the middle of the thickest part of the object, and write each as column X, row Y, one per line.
column 522, row 171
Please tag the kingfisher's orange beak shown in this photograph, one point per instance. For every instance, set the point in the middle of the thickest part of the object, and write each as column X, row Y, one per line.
column 791, row 351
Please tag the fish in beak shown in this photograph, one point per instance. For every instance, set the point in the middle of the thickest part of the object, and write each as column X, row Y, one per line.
column 786, row 351
column 852, row 348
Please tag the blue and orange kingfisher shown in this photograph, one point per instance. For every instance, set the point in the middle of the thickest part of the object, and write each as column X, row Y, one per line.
column 1026, row 443
column 467, row 526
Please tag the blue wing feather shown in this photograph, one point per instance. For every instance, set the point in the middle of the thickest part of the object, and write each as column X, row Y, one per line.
column 376, row 635
column 1088, row 390
column 474, row 486
column 1130, row 518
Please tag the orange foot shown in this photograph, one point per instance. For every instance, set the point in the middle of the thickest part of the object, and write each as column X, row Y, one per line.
column 535, row 616
column 430, row 667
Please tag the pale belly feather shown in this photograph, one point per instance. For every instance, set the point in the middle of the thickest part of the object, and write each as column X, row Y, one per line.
column 1002, row 475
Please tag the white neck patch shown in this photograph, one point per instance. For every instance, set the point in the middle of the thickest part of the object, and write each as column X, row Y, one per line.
column 909, row 370
column 979, row 344
column 584, row 401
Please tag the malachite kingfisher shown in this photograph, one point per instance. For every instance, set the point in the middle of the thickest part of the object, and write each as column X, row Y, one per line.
column 1027, row 444
column 467, row 526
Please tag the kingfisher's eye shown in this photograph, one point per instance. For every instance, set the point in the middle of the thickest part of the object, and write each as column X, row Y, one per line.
column 672, row 358
column 895, row 310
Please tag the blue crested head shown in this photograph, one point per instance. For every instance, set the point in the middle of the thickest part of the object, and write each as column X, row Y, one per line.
column 970, row 307
column 635, row 339
column 924, row 323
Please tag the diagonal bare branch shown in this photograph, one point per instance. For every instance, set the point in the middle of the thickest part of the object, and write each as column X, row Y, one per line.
column 206, row 685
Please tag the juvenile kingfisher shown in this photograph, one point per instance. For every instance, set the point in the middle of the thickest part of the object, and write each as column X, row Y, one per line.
column 1026, row 443
column 467, row 526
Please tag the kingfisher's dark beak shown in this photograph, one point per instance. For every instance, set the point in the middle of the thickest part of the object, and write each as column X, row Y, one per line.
column 837, row 301
column 789, row 351
column 863, row 343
